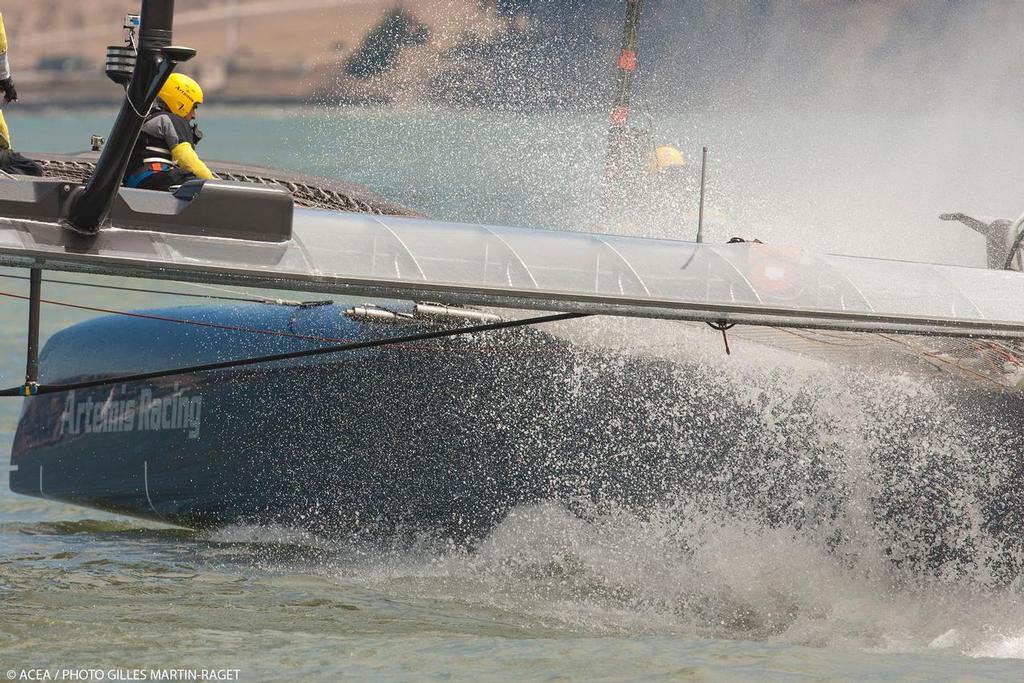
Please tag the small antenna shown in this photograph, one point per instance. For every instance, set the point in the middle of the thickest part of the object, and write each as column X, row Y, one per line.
column 700, row 212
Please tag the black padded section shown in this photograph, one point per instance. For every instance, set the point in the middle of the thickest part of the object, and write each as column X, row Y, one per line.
column 42, row 200
column 207, row 208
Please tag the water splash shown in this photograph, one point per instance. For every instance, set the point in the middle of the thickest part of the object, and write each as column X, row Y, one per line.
column 760, row 497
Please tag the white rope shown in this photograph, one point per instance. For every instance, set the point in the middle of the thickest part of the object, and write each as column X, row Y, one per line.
column 132, row 105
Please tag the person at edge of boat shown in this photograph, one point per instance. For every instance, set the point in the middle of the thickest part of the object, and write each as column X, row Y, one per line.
column 10, row 161
column 165, row 153
column 666, row 160
column 666, row 185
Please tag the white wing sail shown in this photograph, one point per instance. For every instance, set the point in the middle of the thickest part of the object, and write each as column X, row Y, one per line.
column 359, row 254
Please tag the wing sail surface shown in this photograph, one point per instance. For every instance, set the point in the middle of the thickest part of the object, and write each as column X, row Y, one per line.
column 360, row 254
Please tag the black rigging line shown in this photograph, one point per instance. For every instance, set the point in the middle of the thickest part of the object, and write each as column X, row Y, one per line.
column 1014, row 248
column 255, row 300
column 354, row 346
column 180, row 321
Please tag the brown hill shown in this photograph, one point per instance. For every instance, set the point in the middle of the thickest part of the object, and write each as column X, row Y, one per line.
column 249, row 50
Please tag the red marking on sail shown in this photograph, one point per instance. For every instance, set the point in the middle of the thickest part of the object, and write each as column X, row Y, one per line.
column 627, row 62
column 620, row 116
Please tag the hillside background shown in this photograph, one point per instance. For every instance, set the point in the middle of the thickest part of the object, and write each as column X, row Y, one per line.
column 534, row 54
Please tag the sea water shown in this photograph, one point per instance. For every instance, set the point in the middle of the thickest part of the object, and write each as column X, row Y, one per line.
column 681, row 593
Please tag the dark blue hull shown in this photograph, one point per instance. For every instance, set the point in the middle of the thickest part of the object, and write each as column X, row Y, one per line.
column 442, row 436
column 323, row 442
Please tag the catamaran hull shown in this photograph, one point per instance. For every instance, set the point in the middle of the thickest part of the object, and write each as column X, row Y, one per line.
column 447, row 437
column 442, row 437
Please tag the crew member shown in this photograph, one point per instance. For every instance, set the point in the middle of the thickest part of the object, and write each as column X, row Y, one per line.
column 11, row 161
column 165, row 153
column 667, row 161
column 666, row 196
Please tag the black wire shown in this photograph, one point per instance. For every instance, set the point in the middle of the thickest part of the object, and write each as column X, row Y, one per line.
column 144, row 291
column 1014, row 248
column 437, row 334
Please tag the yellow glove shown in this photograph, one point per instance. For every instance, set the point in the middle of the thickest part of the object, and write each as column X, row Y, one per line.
column 185, row 156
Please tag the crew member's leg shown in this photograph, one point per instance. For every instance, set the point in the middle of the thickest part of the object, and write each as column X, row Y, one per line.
column 11, row 161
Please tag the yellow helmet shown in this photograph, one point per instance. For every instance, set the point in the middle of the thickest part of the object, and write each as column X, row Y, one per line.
column 181, row 93
column 664, row 157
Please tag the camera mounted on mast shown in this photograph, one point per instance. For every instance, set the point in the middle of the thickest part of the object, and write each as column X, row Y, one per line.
column 121, row 58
